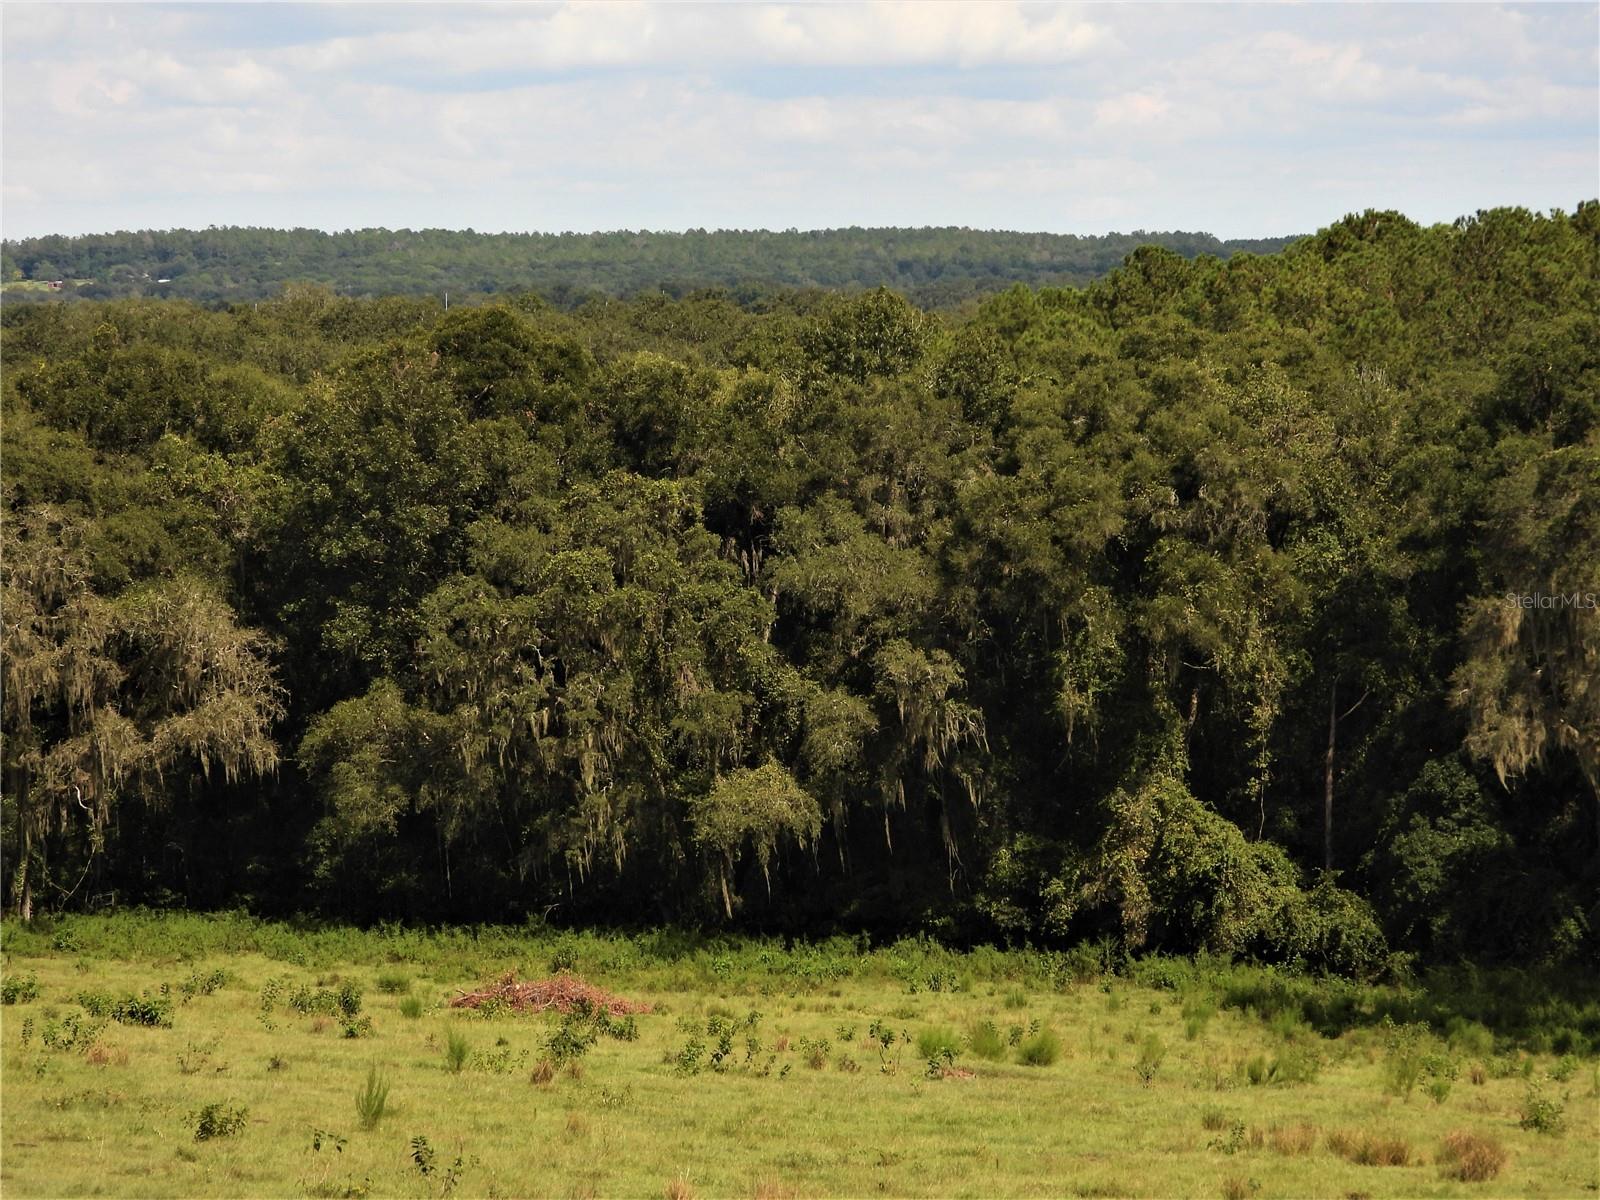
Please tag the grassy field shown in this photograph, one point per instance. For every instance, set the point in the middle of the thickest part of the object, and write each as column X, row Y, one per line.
column 761, row 1071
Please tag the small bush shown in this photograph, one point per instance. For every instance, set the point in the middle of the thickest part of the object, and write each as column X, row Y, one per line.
column 19, row 989
column 372, row 1099
column 1406, row 1061
column 1213, row 1118
column 348, row 999
column 1016, row 1000
column 456, row 1050
column 393, row 983
column 218, row 1121
column 1470, row 1157
column 815, row 1052
column 1540, row 1113
column 71, row 1032
column 544, row 1071
column 202, row 983
column 96, row 1003
column 1040, row 1050
column 570, row 1040
column 411, row 1007
column 148, row 1008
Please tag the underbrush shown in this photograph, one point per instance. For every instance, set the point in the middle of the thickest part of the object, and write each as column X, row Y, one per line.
column 1478, row 1011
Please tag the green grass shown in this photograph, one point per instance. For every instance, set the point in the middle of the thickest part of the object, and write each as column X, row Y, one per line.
column 714, row 1096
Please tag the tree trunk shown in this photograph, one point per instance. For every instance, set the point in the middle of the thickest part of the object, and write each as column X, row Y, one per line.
column 24, row 889
column 1327, row 779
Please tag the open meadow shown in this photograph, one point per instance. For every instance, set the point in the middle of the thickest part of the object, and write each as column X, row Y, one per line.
column 149, row 1055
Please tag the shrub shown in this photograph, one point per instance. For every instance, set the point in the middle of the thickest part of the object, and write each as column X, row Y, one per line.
column 411, row 1007
column 570, row 1040
column 985, row 1041
column 456, row 1050
column 372, row 1099
column 348, row 999
column 96, row 1003
column 217, row 1121
column 202, row 983
column 1540, row 1113
column 393, row 983
column 1040, row 1050
column 19, row 989
column 1470, row 1157
column 815, row 1052
column 71, row 1032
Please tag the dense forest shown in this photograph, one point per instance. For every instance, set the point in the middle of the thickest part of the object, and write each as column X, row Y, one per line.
column 934, row 267
column 1241, row 604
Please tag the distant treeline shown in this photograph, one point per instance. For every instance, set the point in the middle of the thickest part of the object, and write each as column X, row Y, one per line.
column 1246, row 605
column 934, row 267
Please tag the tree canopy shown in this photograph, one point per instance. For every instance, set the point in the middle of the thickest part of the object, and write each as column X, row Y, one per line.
column 1241, row 603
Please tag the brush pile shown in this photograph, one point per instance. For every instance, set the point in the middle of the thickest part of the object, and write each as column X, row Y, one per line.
column 560, row 993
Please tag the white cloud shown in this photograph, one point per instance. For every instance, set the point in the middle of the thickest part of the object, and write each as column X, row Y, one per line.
column 1023, row 116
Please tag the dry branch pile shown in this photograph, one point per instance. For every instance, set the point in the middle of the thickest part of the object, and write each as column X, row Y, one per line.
column 560, row 993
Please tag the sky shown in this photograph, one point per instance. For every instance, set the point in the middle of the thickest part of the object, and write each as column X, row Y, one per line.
column 1238, row 120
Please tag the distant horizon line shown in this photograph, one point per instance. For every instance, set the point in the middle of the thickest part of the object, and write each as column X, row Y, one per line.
column 695, row 230
column 701, row 230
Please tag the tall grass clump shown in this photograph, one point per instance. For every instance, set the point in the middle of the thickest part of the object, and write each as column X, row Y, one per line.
column 1040, row 1050
column 936, row 1042
column 372, row 1099
column 456, row 1050
column 411, row 1007
column 986, row 1041
column 1470, row 1157
column 1151, row 1054
column 1370, row 1150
